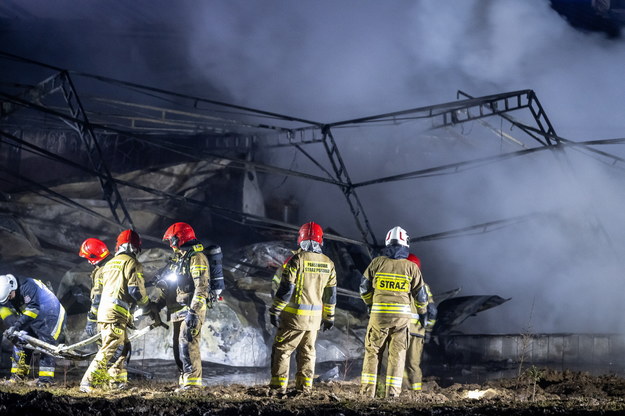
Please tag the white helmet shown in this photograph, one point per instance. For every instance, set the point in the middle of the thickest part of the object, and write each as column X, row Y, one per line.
column 8, row 282
column 397, row 235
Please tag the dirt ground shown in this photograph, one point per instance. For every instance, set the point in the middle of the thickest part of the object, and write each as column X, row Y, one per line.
column 538, row 391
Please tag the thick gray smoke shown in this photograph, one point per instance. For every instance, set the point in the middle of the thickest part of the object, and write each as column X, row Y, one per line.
column 330, row 61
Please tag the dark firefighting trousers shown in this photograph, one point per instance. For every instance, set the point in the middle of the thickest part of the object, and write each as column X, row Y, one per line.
column 287, row 341
column 47, row 329
column 397, row 340
column 413, row 363
column 187, row 354
column 111, row 357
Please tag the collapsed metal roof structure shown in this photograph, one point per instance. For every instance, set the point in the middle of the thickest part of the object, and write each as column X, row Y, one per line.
column 44, row 97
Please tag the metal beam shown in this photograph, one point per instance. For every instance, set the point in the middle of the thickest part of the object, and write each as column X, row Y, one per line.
column 340, row 170
column 84, row 129
column 454, row 112
column 153, row 142
column 545, row 128
column 228, row 214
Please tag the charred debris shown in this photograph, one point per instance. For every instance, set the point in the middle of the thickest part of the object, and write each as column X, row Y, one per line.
column 84, row 155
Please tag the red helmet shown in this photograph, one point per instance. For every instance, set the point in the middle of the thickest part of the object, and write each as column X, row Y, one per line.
column 416, row 260
column 178, row 234
column 129, row 238
column 93, row 250
column 310, row 231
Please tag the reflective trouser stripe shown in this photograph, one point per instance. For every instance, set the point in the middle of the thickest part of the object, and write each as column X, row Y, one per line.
column 394, row 339
column 304, row 381
column 367, row 378
column 122, row 376
column 285, row 343
column 193, row 381
column 56, row 331
column 46, row 371
column 393, row 381
column 279, row 381
column 18, row 363
column 189, row 354
column 413, row 362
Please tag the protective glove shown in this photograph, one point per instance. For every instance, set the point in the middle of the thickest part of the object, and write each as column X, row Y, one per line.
column 327, row 324
column 369, row 309
column 275, row 320
column 153, row 312
column 427, row 337
column 423, row 319
column 192, row 321
column 10, row 332
column 92, row 328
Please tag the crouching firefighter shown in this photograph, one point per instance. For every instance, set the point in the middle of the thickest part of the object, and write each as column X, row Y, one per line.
column 198, row 281
column 122, row 287
column 39, row 314
column 304, row 301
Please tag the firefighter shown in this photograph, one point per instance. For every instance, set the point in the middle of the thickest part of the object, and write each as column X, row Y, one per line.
column 303, row 303
column 30, row 307
column 96, row 253
column 419, row 334
column 389, row 285
column 199, row 278
column 122, row 287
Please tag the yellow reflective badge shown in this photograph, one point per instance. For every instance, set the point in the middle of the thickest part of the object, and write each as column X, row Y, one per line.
column 393, row 284
column 316, row 267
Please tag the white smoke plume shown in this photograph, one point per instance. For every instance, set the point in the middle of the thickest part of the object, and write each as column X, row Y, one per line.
column 336, row 60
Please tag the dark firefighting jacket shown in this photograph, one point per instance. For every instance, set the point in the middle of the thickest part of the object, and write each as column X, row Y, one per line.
column 34, row 305
column 122, row 286
column 193, row 281
column 307, row 291
column 389, row 286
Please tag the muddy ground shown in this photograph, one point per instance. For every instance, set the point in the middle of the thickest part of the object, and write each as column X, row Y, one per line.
column 538, row 391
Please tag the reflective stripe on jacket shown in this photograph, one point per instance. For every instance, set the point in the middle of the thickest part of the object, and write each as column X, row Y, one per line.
column 193, row 282
column 390, row 286
column 122, row 286
column 307, row 291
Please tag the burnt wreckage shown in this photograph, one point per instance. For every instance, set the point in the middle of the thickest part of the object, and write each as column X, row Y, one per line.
column 86, row 155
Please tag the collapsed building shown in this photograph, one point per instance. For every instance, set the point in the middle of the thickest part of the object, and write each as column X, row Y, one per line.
column 87, row 156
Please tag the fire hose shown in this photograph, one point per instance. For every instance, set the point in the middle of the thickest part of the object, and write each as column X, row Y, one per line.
column 70, row 352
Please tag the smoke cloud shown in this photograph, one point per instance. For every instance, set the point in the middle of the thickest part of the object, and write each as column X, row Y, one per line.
column 330, row 61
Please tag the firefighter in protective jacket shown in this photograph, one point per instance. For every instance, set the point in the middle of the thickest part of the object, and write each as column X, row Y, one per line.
column 199, row 279
column 122, row 287
column 28, row 305
column 419, row 333
column 304, row 302
column 96, row 253
column 390, row 284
